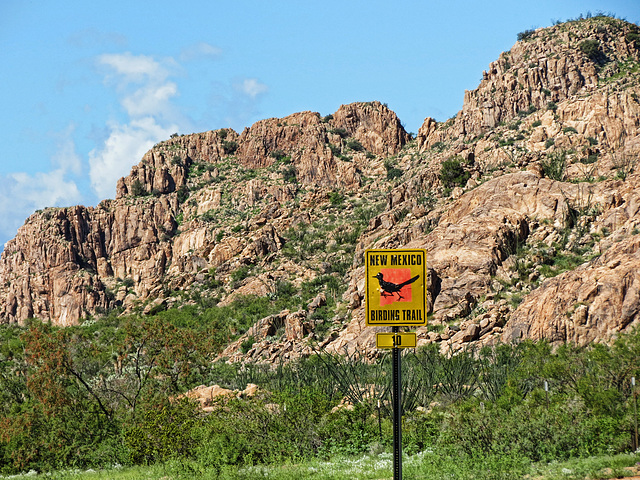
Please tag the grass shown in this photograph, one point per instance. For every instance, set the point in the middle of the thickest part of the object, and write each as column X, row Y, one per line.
column 423, row 465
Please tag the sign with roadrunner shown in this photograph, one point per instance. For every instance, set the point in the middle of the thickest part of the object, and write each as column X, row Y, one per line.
column 395, row 287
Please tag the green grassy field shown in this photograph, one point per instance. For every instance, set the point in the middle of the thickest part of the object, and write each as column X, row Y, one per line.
column 424, row 465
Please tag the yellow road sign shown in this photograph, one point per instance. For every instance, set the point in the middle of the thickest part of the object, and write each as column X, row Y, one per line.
column 399, row 340
column 395, row 287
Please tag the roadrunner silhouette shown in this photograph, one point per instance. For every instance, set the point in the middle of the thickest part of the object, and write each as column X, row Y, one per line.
column 389, row 288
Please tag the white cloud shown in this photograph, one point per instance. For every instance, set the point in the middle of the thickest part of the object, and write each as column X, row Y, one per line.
column 150, row 100
column 66, row 156
column 45, row 189
column 199, row 50
column 133, row 68
column 125, row 147
column 145, row 94
column 23, row 193
column 251, row 87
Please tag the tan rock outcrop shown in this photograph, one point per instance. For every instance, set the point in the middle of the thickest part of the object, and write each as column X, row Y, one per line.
column 591, row 303
column 548, row 66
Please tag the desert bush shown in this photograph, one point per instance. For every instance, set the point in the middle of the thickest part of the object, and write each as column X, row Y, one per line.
column 336, row 198
column 229, row 147
column 525, row 34
column 289, row 174
column 339, row 131
column 393, row 172
column 269, row 428
column 99, row 393
column 453, row 174
column 163, row 432
column 591, row 48
column 554, row 165
column 354, row 144
column 138, row 189
column 562, row 430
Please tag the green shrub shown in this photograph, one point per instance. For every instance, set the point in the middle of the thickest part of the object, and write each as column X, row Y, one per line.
column 354, row 144
column 559, row 431
column 525, row 34
column 138, row 189
column 240, row 273
column 229, row 147
column 108, row 384
column 591, row 48
column 439, row 146
column 265, row 429
column 335, row 150
column 289, row 174
column 339, row 131
column 164, row 432
column 247, row 344
column 523, row 113
column 278, row 154
column 554, row 165
column 336, row 198
column 593, row 158
column 182, row 193
column 210, row 215
column 634, row 39
column 452, row 173
column 393, row 173
column 285, row 290
column 348, row 431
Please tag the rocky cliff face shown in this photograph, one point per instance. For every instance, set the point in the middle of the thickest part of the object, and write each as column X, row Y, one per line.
column 67, row 263
column 549, row 65
column 535, row 236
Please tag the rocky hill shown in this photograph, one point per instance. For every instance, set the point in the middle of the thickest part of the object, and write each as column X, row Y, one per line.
column 527, row 202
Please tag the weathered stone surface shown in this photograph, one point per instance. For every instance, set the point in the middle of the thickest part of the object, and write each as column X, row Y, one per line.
column 205, row 396
column 376, row 127
column 595, row 301
column 547, row 67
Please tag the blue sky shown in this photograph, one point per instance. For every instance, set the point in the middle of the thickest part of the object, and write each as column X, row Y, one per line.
column 88, row 87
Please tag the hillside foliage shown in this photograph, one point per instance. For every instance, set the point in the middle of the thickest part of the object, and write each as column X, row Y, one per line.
column 107, row 392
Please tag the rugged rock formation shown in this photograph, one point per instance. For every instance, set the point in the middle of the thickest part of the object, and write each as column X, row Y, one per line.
column 70, row 262
column 549, row 65
column 534, row 235
column 599, row 298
